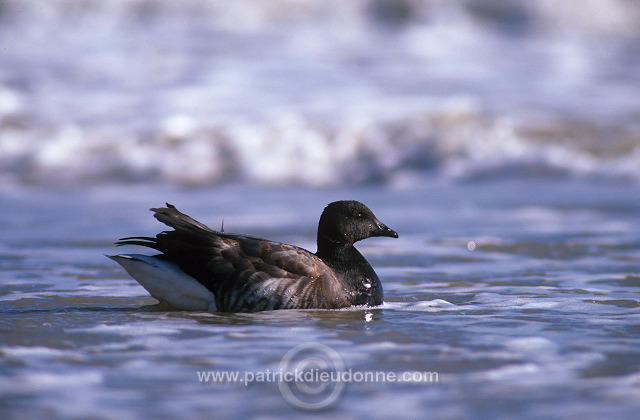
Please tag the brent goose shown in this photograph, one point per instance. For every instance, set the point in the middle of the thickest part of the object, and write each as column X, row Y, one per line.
column 203, row 269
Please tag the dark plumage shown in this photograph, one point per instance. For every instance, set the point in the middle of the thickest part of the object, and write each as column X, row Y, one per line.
column 247, row 274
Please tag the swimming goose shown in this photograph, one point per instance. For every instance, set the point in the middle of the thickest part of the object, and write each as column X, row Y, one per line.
column 203, row 269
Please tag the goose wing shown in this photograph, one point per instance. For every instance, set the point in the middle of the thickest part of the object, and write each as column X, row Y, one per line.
column 245, row 273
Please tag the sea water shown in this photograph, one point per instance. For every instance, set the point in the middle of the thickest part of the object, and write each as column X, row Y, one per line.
column 499, row 139
column 317, row 93
column 522, row 296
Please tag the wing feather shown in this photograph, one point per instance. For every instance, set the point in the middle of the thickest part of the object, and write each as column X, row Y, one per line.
column 245, row 273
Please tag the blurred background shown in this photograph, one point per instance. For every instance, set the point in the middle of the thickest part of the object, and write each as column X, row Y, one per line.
column 317, row 92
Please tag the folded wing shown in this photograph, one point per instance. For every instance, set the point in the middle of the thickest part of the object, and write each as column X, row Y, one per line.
column 245, row 273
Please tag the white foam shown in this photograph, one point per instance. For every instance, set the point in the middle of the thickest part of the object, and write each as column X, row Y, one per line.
column 51, row 381
column 427, row 306
column 294, row 151
column 204, row 96
column 141, row 329
column 32, row 352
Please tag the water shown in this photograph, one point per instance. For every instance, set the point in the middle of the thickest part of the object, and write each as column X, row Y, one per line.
column 501, row 140
column 540, row 319
column 324, row 93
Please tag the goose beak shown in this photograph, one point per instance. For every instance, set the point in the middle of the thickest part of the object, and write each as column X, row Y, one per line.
column 384, row 230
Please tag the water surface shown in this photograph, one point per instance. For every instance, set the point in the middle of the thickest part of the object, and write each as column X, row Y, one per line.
column 540, row 319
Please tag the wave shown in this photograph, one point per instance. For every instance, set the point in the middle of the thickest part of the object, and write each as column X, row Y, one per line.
column 318, row 93
column 505, row 16
column 455, row 143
